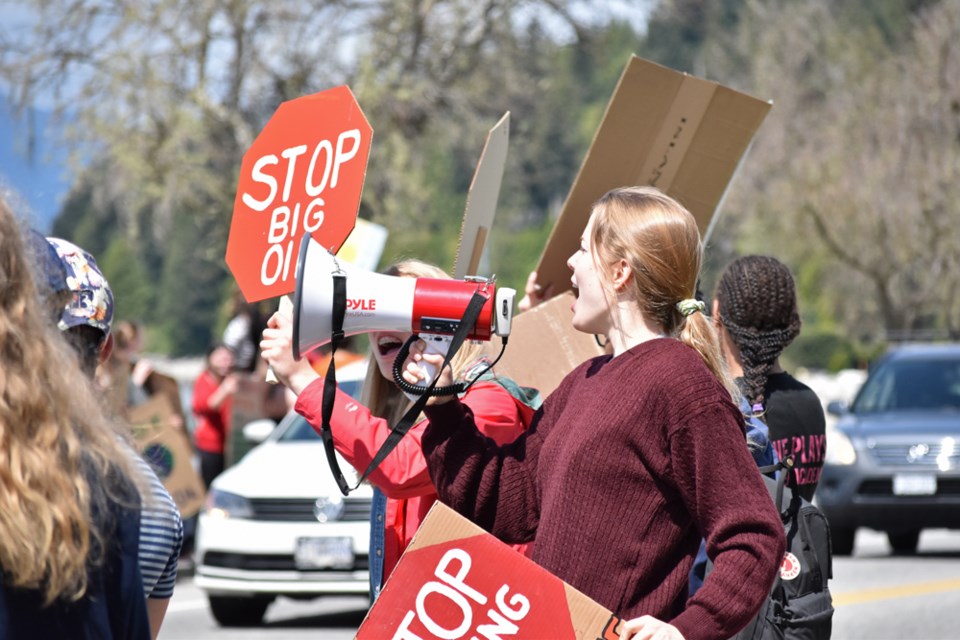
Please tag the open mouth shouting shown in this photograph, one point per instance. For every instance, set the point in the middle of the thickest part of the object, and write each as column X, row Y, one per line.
column 388, row 344
column 386, row 347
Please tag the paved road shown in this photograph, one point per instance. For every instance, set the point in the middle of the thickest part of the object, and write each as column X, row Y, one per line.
column 324, row 619
column 883, row 597
column 877, row 597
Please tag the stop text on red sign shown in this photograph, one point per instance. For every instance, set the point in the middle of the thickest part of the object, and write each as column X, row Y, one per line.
column 444, row 608
column 302, row 174
column 320, row 173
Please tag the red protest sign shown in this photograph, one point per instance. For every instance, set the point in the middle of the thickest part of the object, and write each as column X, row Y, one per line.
column 457, row 582
column 304, row 172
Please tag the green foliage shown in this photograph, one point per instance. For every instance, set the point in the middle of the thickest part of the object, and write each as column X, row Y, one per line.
column 517, row 254
column 891, row 17
column 84, row 221
column 128, row 278
column 681, row 32
column 818, row 349
column 187, row 300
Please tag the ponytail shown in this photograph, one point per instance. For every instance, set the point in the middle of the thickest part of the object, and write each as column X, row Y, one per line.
column 696, row 331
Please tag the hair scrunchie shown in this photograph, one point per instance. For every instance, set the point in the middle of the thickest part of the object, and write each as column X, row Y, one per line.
column 689, row 306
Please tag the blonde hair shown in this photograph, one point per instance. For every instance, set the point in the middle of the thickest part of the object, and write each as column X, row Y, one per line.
column 382, row 396
column 660, row 241
column 60, row 461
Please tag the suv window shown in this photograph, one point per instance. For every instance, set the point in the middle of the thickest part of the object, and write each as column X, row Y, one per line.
column 911, row 384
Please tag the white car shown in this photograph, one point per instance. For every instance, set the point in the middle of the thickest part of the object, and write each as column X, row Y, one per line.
column 275, row 524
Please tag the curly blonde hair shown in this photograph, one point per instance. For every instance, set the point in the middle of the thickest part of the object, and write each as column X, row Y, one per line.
column 61, row 461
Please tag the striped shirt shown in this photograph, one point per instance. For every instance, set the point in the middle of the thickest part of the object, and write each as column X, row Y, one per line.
column 161, row 537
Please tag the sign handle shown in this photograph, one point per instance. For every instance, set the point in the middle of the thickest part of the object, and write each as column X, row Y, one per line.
column 286, row 308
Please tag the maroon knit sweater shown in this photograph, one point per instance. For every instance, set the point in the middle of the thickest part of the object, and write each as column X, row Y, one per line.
column 626, row 464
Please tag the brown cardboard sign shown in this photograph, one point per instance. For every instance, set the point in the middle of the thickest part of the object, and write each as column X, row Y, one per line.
column 164, row 445
column 457, row 581
column 681, row 134
column 482, row 199
column 159, row 383
column 544, row 346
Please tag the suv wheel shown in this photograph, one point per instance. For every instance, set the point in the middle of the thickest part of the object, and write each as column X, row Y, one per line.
column 239, row 612
column 841, row 541
column 904, row 542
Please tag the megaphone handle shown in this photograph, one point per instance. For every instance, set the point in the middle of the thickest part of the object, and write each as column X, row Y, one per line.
column 436, row 343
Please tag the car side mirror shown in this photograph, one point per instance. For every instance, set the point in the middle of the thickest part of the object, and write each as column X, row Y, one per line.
column 258, row 430
column 837, row 407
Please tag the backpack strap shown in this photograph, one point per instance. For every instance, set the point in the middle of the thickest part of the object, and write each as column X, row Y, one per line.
column 782, row 468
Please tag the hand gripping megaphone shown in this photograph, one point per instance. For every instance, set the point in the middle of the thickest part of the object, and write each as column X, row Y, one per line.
column 431, row 307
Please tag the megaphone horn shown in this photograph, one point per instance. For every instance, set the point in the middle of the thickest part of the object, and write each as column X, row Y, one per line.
column 376, row 302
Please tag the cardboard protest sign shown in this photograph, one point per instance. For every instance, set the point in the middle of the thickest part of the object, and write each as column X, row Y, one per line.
column 482, row 199
column 457, row 581
column 166, row 449
column 303, row 173
column 544, row 346
column 167, row 386
column 681, row 134
column 364, row 246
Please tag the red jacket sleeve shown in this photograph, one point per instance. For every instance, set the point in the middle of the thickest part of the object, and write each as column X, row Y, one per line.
column 357, row 434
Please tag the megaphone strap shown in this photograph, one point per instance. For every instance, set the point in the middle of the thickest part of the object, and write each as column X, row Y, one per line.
column 330, row 382
column 464, row 328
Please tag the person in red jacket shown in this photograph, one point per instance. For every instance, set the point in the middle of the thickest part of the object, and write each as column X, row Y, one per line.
column 212, row 398
column 359, row 430
column 636, row 455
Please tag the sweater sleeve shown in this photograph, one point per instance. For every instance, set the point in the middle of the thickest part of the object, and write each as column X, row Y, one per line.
column 494, row 485
column 358, row 435
column 723, row 490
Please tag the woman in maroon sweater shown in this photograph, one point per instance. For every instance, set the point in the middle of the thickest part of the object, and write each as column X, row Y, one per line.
column 636, row 455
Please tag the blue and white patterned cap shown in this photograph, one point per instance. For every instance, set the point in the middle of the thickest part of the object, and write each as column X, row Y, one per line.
column 92, row 299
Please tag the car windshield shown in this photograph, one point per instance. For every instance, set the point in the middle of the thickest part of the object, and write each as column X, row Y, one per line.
column 911, row 385
column 300, row 430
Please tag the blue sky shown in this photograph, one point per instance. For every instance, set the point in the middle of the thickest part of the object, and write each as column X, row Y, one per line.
column 34, row 182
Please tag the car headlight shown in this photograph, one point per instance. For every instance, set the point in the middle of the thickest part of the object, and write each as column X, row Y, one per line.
column 840, row 449
column 328, row 509
column 223, row 504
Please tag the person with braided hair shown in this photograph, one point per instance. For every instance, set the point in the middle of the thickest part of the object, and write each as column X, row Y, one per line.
column 755, row 312
column 643, row 448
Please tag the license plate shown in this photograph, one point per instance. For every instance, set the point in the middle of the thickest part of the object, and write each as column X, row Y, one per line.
column 914, row 484
column 324, row 553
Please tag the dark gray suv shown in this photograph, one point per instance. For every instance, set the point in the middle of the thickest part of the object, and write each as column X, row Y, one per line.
column 893, row 458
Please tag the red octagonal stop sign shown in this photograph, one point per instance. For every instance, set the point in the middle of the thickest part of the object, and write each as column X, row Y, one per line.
column 304, row 172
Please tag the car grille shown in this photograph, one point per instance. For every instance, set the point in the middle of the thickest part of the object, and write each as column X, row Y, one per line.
column 301, row 509
column 266, row 562
column 889, row 455
column 884, row 487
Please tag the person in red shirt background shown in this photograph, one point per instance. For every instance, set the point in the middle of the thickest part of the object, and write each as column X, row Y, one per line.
column 212, row 395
